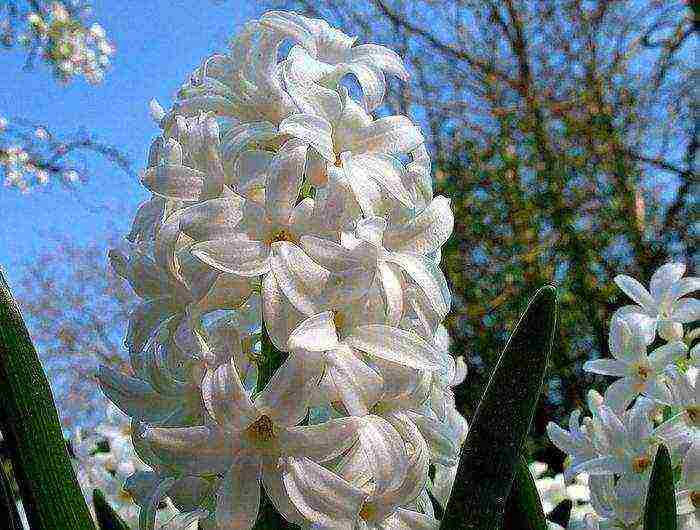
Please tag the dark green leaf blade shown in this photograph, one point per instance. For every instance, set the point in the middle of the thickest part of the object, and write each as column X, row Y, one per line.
column 491, row 451
column 107, row 518
column 660, row 510
column 524, row 507
column 32, row 431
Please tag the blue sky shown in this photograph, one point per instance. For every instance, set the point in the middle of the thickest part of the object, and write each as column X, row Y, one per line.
column 159, row 42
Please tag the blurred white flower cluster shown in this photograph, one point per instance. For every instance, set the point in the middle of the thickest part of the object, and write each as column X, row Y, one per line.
column 104, row 458
column 655, row 400
column 67, row 44
column 290, row 332
column 554, row 490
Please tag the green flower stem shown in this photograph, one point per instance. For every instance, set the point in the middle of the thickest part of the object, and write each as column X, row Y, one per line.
column 29, row 422
column 270, row 360
column 502, row 420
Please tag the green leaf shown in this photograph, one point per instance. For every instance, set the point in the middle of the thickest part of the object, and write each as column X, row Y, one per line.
column 660, row 509
column 561, row 513
column 8, row 507
column 500, row 425
column 30, row 426
column 524, row 507
column 107, row 518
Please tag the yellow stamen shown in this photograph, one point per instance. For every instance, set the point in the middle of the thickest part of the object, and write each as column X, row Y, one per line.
column 695, row 498
column 262, row 430
column 640, row 463
column 367, row 512
column 280, row 235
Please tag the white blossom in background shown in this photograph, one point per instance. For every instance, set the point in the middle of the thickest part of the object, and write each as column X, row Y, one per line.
column 67, row 44
column 289, row 343
column 553, row 490
column 104, row 458
column 654, row 401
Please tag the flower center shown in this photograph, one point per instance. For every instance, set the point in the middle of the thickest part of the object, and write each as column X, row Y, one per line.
column 281, row 234
column 368, row 511
column 125, row 496
column 695, row 498
column 262, row 430
column 693, row 413
column 640, row 463
column 643, row 372
column 338, row 161
column 338, row 320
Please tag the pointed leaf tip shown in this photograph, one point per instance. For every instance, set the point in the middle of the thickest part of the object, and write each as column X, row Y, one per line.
column 107, row 517
column 502, row 420
column 660, row 510
column 524, row 508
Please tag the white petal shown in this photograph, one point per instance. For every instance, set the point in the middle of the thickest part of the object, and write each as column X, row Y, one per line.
column 428, row 276
column 415, row 521
column 383, row 169
column 606, row 367
column 391, row 135
column 683, row 287
column 226, row 399
column 395, row 345
column 298, row 276
column 280, row 316
column 359, row 385
column 312, row 130
column 238, row 499
column 250, row 170
column 385, row 451
column 393, row 293
column 236, row 256
column 686, row 310
column 276, row 492
column 603, row 465
column 664, row 278
column 323, row 497
column 212, row 219
column 666, row 354
column 285, row 397
column 196, row 450
column 321, row 442
column 382, row 57
column 658, row 391
column 426, row 232
column 175, row 182
column 284, row 180
column 327, row 253
column 316, row 333
column 636, row 291
column 620, row 394
column 638, row 320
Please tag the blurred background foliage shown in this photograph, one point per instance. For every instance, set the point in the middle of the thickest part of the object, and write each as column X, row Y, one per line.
column 565, row 134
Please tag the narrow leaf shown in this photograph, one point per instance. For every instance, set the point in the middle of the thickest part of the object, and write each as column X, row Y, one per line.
column 524, row 507
column 107, row 518
column 30, row 426
column 660, row 509
column 491, row 451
